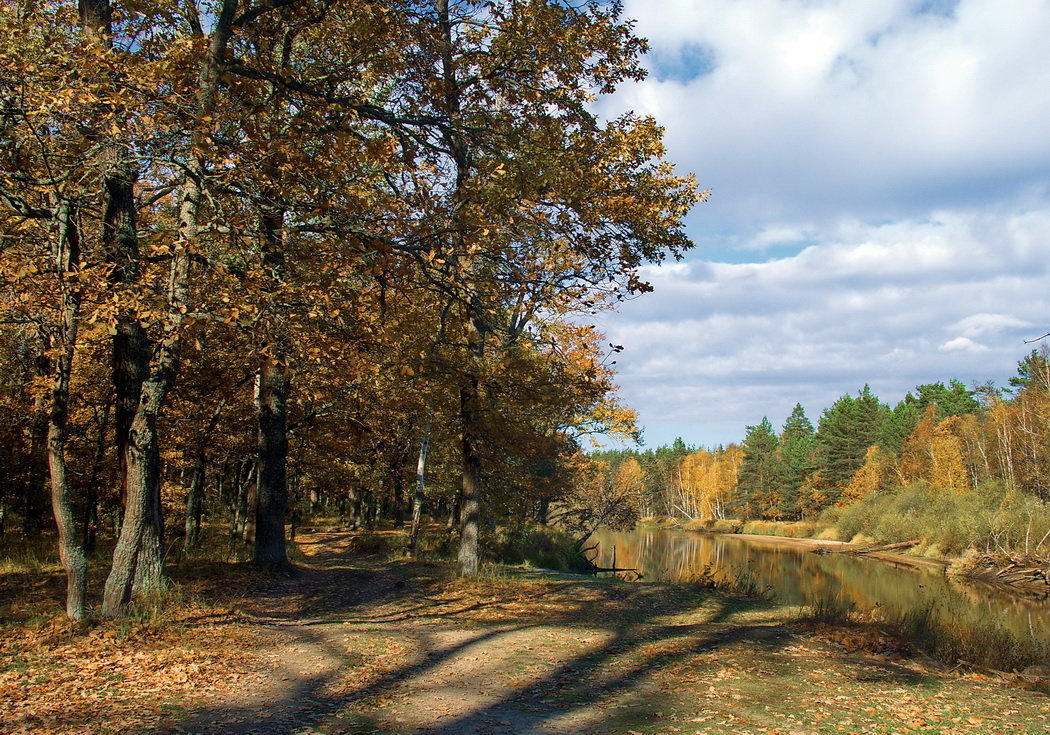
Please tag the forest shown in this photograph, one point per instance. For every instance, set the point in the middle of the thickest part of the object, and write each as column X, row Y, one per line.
column 958, row 468
column 262, row 261
column 298, row 357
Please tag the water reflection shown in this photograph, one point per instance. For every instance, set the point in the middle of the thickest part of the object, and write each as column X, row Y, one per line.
column 800, row 577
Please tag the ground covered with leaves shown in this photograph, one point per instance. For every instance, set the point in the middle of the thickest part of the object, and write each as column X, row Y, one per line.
column 352, row 643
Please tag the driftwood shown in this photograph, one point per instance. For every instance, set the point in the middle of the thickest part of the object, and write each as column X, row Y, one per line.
column 594, row 569
column 847, row 549
column 885, row 547
column 1029, row 576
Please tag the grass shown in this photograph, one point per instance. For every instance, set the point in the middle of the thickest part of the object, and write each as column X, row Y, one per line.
column 32, row 556
column 646, row 658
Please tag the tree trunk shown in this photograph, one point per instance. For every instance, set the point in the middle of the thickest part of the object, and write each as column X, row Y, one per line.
column 543, row 511
column 138, row 540
column 274, row 385
column 242, row 480
column 397, row 490
column 470, row 497
column 195, row 502
column 272, row 397
column 419, row 497
column 70, row 550
column 251, row 510
column 195, row 495
column 138, row 558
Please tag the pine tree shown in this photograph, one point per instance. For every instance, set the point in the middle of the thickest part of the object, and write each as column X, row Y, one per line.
column 797, row 442
column 846, row 430
column 757, row 488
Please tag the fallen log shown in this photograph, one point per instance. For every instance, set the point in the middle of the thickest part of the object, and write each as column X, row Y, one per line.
column 885, row 547
column 847, row 549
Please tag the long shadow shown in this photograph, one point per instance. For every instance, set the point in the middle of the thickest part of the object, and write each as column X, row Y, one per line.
column 577, row 685
column 611, row 670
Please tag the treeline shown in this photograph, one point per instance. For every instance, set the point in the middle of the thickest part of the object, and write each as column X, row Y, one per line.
column 958, row 467
column 269, row 258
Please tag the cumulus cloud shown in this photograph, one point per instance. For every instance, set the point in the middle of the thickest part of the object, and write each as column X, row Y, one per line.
column 881, row 208
column 962, row 344
column 893, row 306
column 878, row 109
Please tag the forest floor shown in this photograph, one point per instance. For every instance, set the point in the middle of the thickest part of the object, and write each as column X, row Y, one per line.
column 349, row 643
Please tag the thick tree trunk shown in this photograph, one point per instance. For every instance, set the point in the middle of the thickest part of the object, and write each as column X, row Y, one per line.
column 138, row 540
column 70, row 550
column 150, row 576
column 355, row 508
column 274, row 385
column 130, row 364
column 543, row 511
column 272, row 399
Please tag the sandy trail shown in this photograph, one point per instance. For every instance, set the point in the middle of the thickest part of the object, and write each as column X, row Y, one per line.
column 352, row 645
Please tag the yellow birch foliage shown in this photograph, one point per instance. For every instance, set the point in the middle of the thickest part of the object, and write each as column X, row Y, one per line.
column 710, row 477
column 869, row 479
column 947, row 467
column 916, row 457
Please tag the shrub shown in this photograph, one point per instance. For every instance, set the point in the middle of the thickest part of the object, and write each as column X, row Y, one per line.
column 538, row 546
column 949, row 523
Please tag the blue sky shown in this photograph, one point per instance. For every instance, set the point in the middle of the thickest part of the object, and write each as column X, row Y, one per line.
column 880, row 208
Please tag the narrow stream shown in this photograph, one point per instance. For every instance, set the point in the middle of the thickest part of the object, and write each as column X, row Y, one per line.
column 797, row 576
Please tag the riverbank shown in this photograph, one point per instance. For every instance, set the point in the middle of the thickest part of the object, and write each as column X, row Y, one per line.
column 357, row 643
column 841, row 546
column 739, row 529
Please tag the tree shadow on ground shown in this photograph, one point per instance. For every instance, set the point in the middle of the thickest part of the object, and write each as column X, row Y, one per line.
column 635, row 638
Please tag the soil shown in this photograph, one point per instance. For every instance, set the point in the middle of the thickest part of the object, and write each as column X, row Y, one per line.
column 361, row 644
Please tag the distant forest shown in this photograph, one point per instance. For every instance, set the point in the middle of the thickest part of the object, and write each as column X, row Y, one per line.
column 958, row 467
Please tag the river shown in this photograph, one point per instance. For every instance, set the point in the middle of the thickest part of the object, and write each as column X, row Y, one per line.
column 959, row 612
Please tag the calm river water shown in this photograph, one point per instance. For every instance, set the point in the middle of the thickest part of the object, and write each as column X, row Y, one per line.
column 799, row 577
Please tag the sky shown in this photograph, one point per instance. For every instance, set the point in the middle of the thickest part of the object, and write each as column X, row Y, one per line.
column 879, row 210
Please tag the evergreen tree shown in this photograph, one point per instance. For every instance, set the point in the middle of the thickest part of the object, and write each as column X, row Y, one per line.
column 955, row 399
column 797, row 442
column 846, row 430
column 757, row 489
column 1033, row 370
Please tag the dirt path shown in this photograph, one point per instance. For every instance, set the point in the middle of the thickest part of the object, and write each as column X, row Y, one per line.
column 352, row 645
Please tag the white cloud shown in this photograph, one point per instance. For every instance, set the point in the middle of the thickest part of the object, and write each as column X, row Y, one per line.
column 885, row 168
column 962, row 344
column 977, row 325
column 893, row 305
column 849, row 105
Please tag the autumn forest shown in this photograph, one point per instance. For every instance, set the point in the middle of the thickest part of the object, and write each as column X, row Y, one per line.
column 299, row 363
column 254, row 260
column 956, row 467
